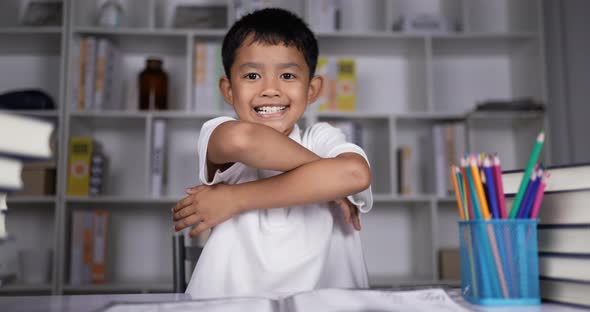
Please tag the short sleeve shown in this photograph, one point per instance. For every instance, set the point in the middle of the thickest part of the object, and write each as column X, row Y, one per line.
column 202, row 145
column 328, row 142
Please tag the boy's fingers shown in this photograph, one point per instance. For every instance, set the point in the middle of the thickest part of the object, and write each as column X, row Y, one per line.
column 187, row 201
column 186, row 222
column 194, row 189
column 356, row 222
column 198, row 229
column 183, row 213
column 345, row 210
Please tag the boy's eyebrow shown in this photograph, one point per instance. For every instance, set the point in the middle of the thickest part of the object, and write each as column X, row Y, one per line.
column 260, row 66
column 288, row 65
column 251, row 65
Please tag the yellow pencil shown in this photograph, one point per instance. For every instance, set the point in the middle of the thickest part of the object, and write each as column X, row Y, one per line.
column 485, row 212
column 457, row 192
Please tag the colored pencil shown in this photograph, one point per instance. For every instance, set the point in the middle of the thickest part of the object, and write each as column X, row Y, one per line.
column 462, row 193
column 466, row 188
column 483, row 205
column 527, row 195
column 491, row 188
column 499, row 187
column 539, row 197
column 531, row 201
column 527, row 174
column 454, row 173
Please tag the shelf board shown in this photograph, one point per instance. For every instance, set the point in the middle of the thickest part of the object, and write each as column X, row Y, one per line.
column 32, row 112
column 430, row 116
column 29, row 30
column 169, row 114
column 25, row 288
column 505, row 115
column 10, row 200
column 390, row 198
column 215, row 33
column 485, row 35
column 446, row 199
column 157, row 287
column 357, row 115
column 418, row 35
column 123, row 200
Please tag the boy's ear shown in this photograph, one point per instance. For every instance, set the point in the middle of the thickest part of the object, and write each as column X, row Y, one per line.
column 225, row 88
column 316, row 85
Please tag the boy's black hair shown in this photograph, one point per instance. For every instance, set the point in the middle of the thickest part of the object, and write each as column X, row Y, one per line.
column 271, row 26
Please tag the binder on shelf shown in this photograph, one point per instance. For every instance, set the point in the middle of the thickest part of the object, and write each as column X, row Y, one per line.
column 157, row 170
column 81, row 150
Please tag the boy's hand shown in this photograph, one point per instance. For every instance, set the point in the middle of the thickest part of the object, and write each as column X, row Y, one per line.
column 351, row 213
column 206, row 206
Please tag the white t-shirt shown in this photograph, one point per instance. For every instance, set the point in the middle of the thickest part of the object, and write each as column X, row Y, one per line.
column 280, row 250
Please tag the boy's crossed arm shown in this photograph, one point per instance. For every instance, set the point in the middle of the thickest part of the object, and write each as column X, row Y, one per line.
column 307, row 178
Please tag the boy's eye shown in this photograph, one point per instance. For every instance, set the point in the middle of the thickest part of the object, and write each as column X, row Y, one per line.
column 287, row 76
column 252, row 76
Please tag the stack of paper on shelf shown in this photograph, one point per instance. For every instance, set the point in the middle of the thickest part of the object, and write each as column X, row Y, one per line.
column 21, row 139
column 564, row 232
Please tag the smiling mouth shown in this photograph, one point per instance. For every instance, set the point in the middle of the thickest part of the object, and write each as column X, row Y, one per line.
column 270, row 110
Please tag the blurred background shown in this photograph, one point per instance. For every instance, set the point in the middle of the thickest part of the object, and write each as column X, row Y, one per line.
column 127, row 84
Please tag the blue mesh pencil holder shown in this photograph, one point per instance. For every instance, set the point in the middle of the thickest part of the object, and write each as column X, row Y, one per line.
column 499, row 262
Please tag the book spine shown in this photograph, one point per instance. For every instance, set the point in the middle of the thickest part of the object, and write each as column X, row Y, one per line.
column 87, row 247
column 97, row 173
column 77, row 247
column 3, row 208
column 89, row 72
column 346, row 85
column 100, row 244
column 100, row 72
column 82, row 75
column 440, row 178
column 210, row 81
column 158, row 155
column 199, row 75
column 81, row 149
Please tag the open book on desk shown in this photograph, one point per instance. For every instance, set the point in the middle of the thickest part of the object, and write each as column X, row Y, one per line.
column 325, row 300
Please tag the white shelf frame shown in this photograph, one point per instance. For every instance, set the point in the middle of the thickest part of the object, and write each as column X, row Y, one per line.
column 65, row 115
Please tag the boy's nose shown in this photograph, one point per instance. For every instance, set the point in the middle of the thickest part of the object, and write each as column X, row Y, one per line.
column 271, row 88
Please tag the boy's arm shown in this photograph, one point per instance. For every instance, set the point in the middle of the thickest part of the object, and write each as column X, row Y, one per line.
column 317, row 181
column 257, row 146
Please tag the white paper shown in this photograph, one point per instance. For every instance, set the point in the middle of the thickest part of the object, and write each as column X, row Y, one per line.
column 325, row 300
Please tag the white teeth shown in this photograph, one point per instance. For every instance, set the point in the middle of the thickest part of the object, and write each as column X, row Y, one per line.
column 269, row 109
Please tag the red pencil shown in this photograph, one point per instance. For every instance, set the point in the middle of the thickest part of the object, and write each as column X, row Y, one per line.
column 497, row 170
column 539, row 196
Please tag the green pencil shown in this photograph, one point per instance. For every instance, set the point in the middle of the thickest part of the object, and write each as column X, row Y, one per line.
column 527, row 174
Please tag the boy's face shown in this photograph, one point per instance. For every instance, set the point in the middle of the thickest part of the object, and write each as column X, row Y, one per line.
column 270, row 85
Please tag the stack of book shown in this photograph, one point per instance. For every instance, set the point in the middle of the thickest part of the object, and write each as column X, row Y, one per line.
column 96, row 86
column 208, row 69
column 89, row 246
column 564, row 232
column 21, row 139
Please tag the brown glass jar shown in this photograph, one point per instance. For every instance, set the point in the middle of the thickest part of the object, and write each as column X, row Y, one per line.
column 153, row 86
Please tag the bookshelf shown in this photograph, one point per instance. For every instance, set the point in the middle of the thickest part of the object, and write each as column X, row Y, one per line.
column 406, row 83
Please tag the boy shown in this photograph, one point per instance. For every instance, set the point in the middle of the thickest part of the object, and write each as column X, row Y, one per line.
column 252, row 166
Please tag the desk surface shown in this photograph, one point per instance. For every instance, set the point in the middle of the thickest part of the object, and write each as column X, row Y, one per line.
column 93, row 303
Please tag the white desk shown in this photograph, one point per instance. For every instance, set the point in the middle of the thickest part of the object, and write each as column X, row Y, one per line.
column 94, row 303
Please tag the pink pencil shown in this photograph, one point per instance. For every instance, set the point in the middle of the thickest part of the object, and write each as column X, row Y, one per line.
column 539, row 196
column 497, row 170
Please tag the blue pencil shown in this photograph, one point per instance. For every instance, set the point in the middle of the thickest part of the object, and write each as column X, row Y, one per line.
column 531, row 200
column 527, row 194
column 487, row 165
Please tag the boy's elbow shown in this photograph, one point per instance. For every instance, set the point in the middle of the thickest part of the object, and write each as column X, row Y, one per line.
column 360, row 174
column 238, row 137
